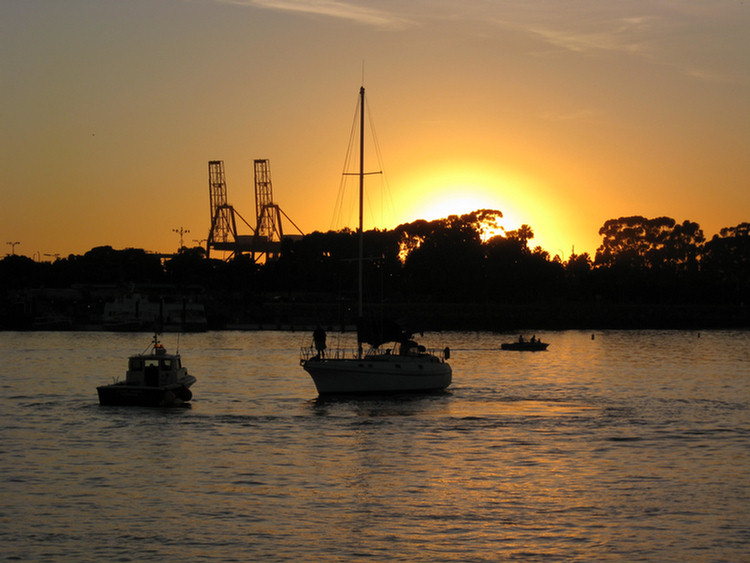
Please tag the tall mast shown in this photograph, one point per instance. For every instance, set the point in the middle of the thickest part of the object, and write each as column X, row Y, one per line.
column 361, row 195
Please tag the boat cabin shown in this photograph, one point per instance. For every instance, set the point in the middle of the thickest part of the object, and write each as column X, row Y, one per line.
column 154, row 370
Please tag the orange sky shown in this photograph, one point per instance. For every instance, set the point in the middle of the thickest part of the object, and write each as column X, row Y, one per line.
column 560, row 115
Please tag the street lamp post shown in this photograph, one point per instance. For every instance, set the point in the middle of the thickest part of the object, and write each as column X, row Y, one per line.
column 181, row 232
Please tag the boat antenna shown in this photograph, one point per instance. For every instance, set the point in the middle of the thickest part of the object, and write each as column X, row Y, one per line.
column 154, row 343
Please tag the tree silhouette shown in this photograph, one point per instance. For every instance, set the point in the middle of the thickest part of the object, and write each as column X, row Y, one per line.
column 633, row 242
column 681, row 247
column 726, row 260
column 445, row 260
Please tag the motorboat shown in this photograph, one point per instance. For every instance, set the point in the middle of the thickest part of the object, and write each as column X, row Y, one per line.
column 521, row 345
column 154, row 378
column 393, row 361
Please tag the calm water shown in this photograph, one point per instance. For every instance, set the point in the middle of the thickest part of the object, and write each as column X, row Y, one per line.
column 633, row 446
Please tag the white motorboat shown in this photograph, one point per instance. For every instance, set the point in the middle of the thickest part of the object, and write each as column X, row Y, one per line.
column 154, row 379
column 403, row 367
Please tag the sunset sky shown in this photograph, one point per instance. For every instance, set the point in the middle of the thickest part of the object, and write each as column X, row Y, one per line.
column 562, row 115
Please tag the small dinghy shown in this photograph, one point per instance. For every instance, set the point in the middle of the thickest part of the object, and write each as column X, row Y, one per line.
column 521, row 345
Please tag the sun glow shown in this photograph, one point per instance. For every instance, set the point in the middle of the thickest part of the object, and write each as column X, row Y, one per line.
column 463, row 188
column 452, row 205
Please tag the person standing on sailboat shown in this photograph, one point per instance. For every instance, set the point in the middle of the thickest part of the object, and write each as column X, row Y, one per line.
column 319, row 339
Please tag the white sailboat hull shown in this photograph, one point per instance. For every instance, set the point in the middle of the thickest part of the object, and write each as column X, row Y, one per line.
column 382, row 374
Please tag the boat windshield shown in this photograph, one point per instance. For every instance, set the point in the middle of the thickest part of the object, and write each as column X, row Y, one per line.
column 170, row 364
column 165, row 364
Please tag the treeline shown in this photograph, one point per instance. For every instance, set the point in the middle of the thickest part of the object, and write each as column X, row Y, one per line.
column 640, row 262
column 447, row 260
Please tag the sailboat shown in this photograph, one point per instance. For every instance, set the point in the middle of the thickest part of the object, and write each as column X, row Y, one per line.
column 393, row 362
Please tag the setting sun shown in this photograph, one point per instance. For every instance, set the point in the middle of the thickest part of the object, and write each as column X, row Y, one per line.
column 462, row 188
column 465, row 185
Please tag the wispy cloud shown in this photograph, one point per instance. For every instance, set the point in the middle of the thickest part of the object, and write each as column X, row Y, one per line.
column 663, row 32
column 706, row 75
column 626, row 35
column 333, row 9
column 655, row 39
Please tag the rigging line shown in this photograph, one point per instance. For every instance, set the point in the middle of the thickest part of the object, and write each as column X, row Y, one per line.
column 338, row 210
column 346, row 200
column 337, row 218
column 345, row 190
column 385, row 192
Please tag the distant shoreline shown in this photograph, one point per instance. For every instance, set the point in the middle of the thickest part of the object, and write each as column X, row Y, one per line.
column 440, row 317
column 542, row 316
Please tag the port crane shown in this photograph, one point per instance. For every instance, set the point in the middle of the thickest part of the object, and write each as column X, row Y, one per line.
column 265, row 242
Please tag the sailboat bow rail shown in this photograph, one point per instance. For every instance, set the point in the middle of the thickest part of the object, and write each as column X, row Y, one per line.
column 375, row 354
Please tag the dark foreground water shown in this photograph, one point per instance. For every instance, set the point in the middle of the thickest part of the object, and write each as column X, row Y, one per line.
column 633, row 446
